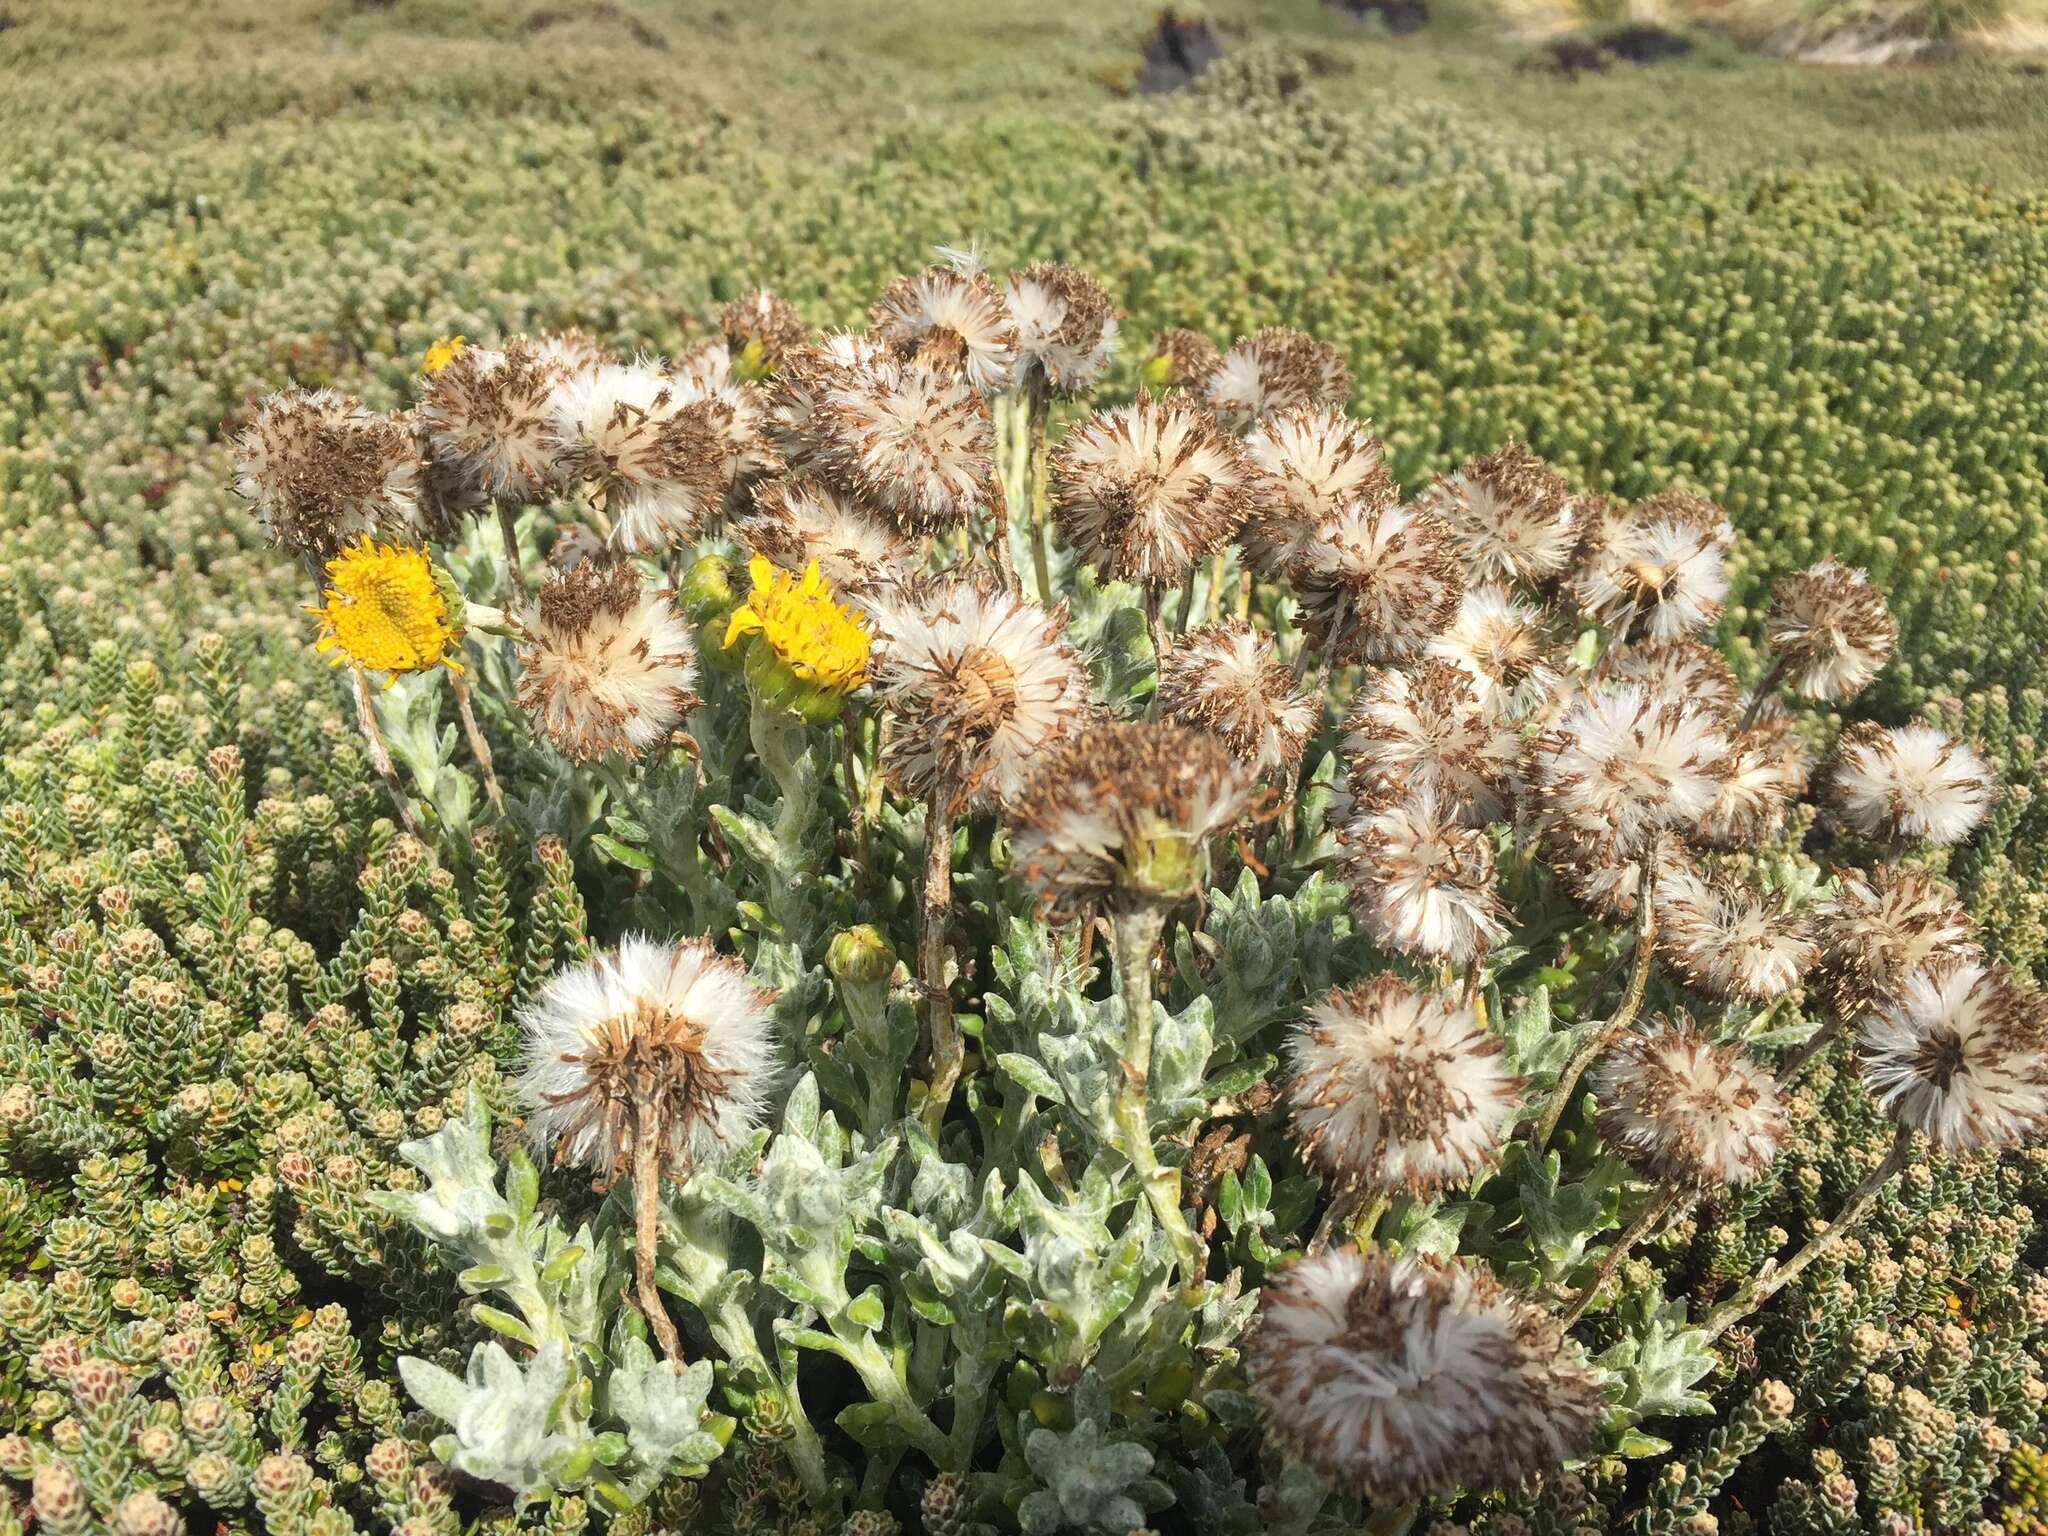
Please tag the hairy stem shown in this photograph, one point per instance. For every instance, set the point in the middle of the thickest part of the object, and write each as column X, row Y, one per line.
column 515, row 565
column 1855, row 1211
column 380, row 754
column 479, row 748
column 1606, row 1034
column 1041, row 500
column 1135, row 935
column 1634, row 1233
column 1764, row 686
column 948, row 1049
column 646, row 1226
column 1155, row 626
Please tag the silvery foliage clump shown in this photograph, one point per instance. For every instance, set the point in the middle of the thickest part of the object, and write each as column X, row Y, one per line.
column 586, row 1406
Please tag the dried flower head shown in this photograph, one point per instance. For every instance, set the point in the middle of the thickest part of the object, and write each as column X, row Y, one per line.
column 1622, row 762
column 1658, row 573
column 913, row 441
column 1181, row 359
column 1229, row 679
column 322, row 472
column 1957, row 1051
column 1308, row 464
column 1681, row 1109
column 1147, row 489
column 1731, row 940
column 950, row 319
column 1675, row 669
column 798, row 521
column 1832, row 629
column 1420, row 883
column 672, row 1028
column 571, row 351
column 1913, row 782
column 1401, row 1378
column 1767, row 772
column 1276, row 370
column 606, row 667
column 659, row 452
column 1066, row 327
column 387, row 610
column 1124, row 808
column 1422, row 732
column 1503, row 644
column 486, row 415
column 1879, row 927
column 761, row 330
column 820, row 643
column 1378, row 582
column 1397, row 1090
column 980, row 683
column 796, row 390
column 1605, row 881
column 1510, row 514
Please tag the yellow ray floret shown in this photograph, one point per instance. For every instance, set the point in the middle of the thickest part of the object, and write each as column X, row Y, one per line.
column 386, row 611
column 820, row 642
column 443, row 352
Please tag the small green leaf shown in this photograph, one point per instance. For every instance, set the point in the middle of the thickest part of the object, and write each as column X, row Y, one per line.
column 623, row 853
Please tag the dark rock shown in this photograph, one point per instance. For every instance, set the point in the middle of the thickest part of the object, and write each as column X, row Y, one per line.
column 1177, row 50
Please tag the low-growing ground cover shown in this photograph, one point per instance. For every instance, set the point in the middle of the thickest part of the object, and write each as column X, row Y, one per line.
column 214, row 927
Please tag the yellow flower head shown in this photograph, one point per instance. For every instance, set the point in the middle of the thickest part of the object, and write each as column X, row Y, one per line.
column 821, row 643
column 443, row 352
column 387, row 611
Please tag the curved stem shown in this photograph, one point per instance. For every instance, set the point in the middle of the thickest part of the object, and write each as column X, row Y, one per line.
column 515, row 567
column 1855, row 1211
column 1764, row 685
column 380, row 754
column 1134, row 933
column 732, row 1330
column 947, row 1048
column 646, row 1226
column 1634, row 1233
column 1041, row 501
column 1631, row 1004
column 1155, row 626
column 1808, row 1053
column 479, row 748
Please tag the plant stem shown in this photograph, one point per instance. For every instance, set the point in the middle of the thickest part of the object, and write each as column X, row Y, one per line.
column 1764, row 685
column 1134, row 934
column 733, row 1331
column 1808, row 1053
column 1649, row 1216
column 380, row 754
column 1855, row 1211
column 1184, row 616
column 1218, row 568
column 515, row 567
column 646, row 1226
column 1631, row 1004
column 1041, row 564
column 478, row 746
column 1155, row 626
column 947, row 1048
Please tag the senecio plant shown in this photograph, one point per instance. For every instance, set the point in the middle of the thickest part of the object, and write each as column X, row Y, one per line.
column 1146, row 978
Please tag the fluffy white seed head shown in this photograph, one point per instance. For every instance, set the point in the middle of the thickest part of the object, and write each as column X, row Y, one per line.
column 1307, row 463
column 980, row 682
column 1832, row 629
column 1228, row 679
column 605, row 667
column 1502, row 643
column 1622, row 763
column 1659, row 572
column 321, row 471
column 1378, row 582
column 1684, row 1110
column 1066, row 327
column 1957, row 1052
column 1421, row 883
column 1145, row 490
column 914, row 441
column 950, row 320
column 486, row 415
column 1397, row 1090
column 1402, row 1378
column 796, row 521
column 1730, row 940
column 667, row 1040
column 1510, row 514
column 1913, row 783
column 1423, row 732
column 1276, row 370
column 1879, row 927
